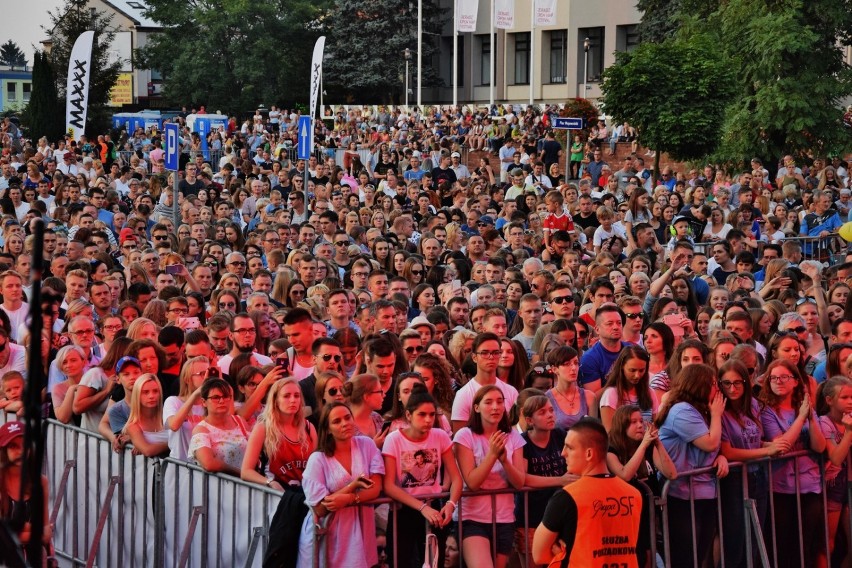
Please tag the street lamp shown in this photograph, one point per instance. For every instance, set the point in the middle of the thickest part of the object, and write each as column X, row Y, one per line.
column 407, row 54
column 586, row 43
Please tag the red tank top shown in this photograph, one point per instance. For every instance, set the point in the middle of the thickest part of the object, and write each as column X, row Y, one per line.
column 289, row 462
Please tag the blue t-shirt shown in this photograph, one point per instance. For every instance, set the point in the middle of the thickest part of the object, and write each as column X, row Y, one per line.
column 683, row 425
column 596, row 363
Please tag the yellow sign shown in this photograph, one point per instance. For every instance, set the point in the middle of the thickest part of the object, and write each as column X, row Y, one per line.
column 122, row 91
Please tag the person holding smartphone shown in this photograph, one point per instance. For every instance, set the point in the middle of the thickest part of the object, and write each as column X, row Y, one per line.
column 344, row 471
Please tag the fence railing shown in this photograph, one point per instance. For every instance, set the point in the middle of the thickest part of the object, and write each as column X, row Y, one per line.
column 754, row 523
column 121, row 509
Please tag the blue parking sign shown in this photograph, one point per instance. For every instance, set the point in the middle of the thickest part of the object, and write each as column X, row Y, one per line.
column 172, row 147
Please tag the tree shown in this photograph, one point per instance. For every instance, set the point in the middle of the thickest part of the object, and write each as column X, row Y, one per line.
column 11, row 55
column 675, row 93
column 44, row 115
column 365, row 51
column 233, row 56
column 791, row 79
column 661, row 19
column 67, row 23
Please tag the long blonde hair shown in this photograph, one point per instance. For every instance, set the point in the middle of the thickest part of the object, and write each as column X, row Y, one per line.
column 136, row 326
column 136, row 405
column 186, row 386
column 274, row 420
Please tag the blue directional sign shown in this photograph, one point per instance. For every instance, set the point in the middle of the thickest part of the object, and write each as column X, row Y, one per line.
column 306, row 138
column 561, row 123
column 172, row 147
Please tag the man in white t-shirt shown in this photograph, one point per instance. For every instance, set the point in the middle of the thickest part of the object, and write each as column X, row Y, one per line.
column 243, row 335
column 486, row 355
column 12, row 286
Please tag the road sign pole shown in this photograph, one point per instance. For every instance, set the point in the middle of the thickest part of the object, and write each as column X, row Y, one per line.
column 175, row 201
column 172, row 159
column 568, row 125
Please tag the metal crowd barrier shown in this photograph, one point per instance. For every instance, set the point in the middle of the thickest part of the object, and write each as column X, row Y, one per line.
column 758, row 545
column 119, row 509
column 831, row 249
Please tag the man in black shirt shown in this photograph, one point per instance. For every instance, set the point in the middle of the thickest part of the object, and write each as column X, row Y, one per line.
column 586, row 217
column 444, row 172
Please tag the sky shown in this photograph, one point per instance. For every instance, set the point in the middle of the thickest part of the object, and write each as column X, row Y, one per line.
column 22, row 22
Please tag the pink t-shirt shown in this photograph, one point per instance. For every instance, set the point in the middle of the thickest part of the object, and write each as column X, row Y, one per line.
column 418, row 464
column 479, row 508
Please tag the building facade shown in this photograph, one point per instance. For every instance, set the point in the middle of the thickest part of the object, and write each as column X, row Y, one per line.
column 15, row 88
column 551, row 59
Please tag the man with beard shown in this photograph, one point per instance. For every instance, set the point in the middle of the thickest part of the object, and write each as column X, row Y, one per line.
column 243, row 334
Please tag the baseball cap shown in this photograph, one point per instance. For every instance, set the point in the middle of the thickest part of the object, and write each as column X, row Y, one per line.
column 125, row 234
column 680, row 218
column 455, row 155
column 486, row 219
column 9, row 431
column 517, row 172
column 125, row 361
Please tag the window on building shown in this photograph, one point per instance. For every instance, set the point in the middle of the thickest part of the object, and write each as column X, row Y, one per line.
column 27, row 90
column 595, row 55
column 485, row 60
column 627, row 38
column 11, row 92
column 558, row 55
column 156, row 75
column 522, row 58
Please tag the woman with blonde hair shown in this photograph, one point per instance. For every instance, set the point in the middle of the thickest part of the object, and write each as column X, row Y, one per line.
column 142, row 328
column 145, row 425
column 284, row 435
column 454, row 237
column 282, row 282
column 461, row 344
column 232, row 282
column 137, row 273
column 182, row 412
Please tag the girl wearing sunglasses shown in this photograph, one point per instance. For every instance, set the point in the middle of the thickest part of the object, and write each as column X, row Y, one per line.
column 365, row 397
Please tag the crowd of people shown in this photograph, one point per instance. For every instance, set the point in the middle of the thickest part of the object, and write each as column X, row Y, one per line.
column 409, row 325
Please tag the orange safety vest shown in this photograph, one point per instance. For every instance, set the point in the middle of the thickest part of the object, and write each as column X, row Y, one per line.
column 608, row 514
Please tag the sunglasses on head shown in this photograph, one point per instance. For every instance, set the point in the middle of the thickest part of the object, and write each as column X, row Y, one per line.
column 545, row 370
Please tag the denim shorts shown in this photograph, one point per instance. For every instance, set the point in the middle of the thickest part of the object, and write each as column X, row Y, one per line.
column 505, row 534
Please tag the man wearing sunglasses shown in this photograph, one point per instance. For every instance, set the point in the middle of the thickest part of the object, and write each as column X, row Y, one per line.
column 327, row 357
column 562, row 300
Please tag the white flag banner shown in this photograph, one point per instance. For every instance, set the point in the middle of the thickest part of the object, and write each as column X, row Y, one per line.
column 545, row 12
column 466, row 12
column 316, row 79
column 316, row 76
column 504, row 14
column 77, row 86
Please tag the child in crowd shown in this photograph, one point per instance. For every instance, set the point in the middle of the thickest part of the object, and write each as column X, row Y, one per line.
column 115, row 419
column 12, row 396
column 558, row 218
column 608, row 229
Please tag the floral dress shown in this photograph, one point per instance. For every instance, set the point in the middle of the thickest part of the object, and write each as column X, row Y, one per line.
column 227, row 445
